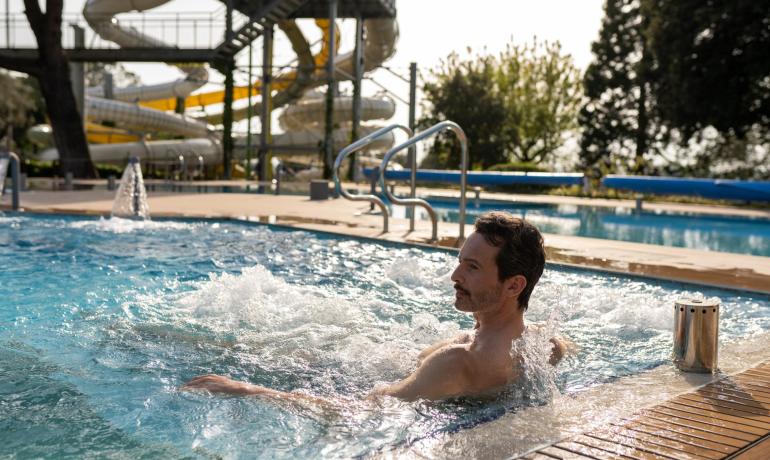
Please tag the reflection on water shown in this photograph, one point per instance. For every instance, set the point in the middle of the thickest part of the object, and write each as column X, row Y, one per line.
column 696, row 231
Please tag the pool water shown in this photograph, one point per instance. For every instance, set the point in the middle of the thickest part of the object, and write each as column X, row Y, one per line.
column 742, row 235
column 102, row 320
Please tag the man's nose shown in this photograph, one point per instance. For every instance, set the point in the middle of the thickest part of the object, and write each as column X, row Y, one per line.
column 456, row 278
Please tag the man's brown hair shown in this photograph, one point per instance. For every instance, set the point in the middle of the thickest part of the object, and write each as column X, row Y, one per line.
column 521, row 248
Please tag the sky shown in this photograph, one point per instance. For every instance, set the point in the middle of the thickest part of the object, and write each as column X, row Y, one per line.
column 429, row 31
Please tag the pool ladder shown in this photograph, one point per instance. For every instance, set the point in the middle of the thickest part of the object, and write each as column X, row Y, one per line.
column 9, row 160
column 408, row 144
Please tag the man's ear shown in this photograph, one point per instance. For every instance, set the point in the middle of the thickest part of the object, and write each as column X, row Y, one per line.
column 513, row 286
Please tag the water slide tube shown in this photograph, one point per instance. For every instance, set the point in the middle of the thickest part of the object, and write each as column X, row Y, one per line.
column 143, row 117
column 485, row 177
column 719, row 189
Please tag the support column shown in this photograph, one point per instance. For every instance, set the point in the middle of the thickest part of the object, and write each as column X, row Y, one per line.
column 412, row 126
column 329, row 118
column 77, row 72
column 267, row 102
column 227, row 116
column 358, row 71
column 249, row 114
column 108, row 85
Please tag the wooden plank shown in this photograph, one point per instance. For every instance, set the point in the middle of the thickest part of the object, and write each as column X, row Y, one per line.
column 724, row 396
column 759, row 452
column 749, row 386
column 676, row 435
column 625, row 451
column 726, row 404
column 690, row 421
column 706, row 411
column 563, row 454
column 697, row 433
column 741, row 416
column 709, row 419
column 734, row 393
column 630, row 440
column 758, row 371
column 749, row 380
column 585, row 450
column 760, row 376
column 664, row 441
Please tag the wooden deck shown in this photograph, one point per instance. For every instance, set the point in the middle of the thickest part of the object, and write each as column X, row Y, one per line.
column 728, row 418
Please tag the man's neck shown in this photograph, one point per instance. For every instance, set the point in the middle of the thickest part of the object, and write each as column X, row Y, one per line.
column 507, row 320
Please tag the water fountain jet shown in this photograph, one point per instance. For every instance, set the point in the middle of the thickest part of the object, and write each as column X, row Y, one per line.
column 131, row 198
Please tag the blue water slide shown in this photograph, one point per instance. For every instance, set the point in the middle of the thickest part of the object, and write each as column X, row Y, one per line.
column 720, row 189
column 484, row 177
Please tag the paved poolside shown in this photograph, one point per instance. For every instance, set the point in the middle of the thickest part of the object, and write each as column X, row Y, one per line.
column 353, row 218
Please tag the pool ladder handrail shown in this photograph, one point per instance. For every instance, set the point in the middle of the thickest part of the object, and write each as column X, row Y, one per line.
column 433, row 130
column 354, row 147
column 15, row 170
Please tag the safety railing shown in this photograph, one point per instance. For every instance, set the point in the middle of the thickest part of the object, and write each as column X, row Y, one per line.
column 354, row 147
column 11, row 161
column 432, row 131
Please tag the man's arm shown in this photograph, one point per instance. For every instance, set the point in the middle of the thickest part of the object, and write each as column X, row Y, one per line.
column 224, row 385
column 443, row 374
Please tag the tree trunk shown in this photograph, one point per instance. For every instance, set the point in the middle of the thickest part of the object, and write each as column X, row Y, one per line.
column 56, row 87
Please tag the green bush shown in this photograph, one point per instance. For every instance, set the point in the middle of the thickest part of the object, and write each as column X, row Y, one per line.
column 517, row 166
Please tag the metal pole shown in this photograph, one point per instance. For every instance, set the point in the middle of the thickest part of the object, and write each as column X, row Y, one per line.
column 109, row 86
column 15, row 180
column 227, row 118
column 248, row 118
column 264, row 118
column 7, row 23
column 77, row 74
column 358, row 67
column 412, row 149
column 329, row 118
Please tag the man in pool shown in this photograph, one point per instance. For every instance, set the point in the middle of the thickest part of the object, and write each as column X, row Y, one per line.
column 498, row 267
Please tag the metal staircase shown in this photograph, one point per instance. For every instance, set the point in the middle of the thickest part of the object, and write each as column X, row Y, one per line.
column 259, row 14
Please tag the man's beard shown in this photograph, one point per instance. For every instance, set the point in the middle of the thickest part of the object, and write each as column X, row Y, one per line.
column 477, row 301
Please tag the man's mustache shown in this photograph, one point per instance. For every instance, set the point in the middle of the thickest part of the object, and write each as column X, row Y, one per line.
column 458, row 288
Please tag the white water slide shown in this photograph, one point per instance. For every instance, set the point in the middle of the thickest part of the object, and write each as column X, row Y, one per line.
column 302, row 122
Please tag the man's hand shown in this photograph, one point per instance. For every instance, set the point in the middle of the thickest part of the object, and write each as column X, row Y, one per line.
column 219, row 384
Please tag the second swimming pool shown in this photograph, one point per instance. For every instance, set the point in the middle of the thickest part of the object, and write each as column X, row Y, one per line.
column 695, row 231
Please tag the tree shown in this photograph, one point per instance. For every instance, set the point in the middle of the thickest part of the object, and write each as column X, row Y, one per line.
column 21, row 106
column 517, row 105
column 542, row 92
column 465, row 92
column 618, row 121
column 712, row 66
column 94, row 74
column 51, row 68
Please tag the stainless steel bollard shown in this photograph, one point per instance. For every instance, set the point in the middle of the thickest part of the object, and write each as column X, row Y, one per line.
column 696, row 335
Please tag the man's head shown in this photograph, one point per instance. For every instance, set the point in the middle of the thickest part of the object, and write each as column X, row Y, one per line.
column 500, row 262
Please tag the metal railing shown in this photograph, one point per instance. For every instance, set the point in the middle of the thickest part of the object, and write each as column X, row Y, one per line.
column 193, row 30
column 15, row 170
column 358, row 145
column 433, row 130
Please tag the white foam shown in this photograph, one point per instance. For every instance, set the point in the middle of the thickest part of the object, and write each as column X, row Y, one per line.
column 119, row 225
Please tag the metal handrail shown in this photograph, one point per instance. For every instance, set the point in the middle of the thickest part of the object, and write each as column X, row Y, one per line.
column 438, row 127
column 358, row 145
column 15, row 171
